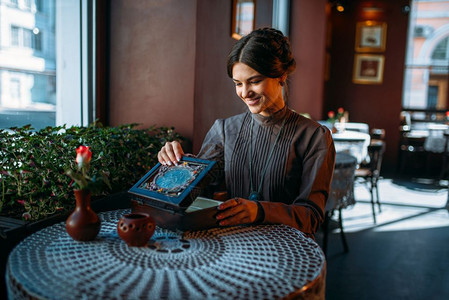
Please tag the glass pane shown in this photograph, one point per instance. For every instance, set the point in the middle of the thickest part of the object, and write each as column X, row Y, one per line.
column 37, row 41
column 14, row 36
column 28, row 78
column 14, row 88
column 440, row 51
column 427, row 64
column 27, row 4
column 38, row 4
column 27, row 34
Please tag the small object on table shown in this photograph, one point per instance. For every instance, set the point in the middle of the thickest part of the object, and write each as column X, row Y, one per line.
column 136, row 229
column 83, row 224
column 171, row 195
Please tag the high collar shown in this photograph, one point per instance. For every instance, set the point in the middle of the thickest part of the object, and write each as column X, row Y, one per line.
column 275, row 118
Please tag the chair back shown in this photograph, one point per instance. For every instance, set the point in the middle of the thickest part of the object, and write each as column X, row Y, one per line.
column 377, row 134
column 375, row 151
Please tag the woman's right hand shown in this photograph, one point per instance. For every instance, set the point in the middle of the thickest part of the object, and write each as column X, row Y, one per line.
column 170, row 154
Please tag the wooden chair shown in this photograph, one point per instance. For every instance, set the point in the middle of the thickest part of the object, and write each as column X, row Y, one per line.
column 411, row 155
column 369, row 173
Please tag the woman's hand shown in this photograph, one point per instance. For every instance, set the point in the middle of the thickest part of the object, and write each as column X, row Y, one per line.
column 237, row 211
column 170, row 154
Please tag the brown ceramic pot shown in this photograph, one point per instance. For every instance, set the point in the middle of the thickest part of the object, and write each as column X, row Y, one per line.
column 136, row 229
column 83, row 224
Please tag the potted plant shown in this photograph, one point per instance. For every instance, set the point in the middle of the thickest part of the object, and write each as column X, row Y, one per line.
column 83, row 224
column 33, row 181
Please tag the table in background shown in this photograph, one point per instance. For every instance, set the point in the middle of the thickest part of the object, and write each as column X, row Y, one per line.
column 246, row 262
column 352, row 126
column 341, row 194
column 352, row 142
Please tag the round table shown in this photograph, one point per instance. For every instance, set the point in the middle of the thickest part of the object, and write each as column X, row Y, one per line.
column 341, row 194
column 241, row 262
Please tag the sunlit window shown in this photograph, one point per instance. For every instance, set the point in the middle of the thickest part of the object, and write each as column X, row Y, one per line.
column 14, row 3
column 15, row 36
column 14, row 87
column 427, row 63
column 27, row 4
column 39, row 5
column 441, row 50
column 42, row 71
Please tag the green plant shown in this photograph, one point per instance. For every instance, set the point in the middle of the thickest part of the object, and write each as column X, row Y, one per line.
column 33, row 182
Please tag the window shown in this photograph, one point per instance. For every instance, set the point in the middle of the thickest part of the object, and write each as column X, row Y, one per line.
column 14, row 87
column 427, row 59
column 14, row 36
column 44, row 79
column 441, row 50
column 27, row 4
column 39, row 5
column 27, row 38
column 37, row 40
column 27, row 35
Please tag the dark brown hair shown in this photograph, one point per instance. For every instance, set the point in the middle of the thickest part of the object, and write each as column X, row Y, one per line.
column 266, row 50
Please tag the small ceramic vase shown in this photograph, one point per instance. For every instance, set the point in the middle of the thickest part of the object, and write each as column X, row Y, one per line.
column 136, row 229
column 83, row 224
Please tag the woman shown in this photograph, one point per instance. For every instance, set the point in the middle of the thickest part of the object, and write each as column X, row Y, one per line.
column 277, row 165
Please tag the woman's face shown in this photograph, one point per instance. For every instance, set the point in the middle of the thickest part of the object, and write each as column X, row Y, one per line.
column 262, row 95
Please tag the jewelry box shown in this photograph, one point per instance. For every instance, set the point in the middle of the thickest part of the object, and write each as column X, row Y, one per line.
column 172, row 195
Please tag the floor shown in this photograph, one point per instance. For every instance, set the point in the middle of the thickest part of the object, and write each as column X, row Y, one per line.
column 404, row 256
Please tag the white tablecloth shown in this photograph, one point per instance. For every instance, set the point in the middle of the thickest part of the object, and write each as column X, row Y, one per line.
column 435, row 143
column 351, row 126
column 354, row 143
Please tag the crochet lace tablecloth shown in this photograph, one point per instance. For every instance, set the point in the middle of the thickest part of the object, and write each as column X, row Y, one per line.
column 249, row 262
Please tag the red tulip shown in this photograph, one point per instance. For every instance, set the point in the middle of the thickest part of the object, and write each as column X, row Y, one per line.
column 341, row 110
column 83, row 155
column 331, row 114
column 26, row 216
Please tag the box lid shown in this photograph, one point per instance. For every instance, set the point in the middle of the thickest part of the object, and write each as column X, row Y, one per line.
column 174, row 187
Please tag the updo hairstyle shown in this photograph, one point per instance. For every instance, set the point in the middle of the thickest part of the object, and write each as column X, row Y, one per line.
column 266, row 50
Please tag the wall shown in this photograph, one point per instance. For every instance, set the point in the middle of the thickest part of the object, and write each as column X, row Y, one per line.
column 215, row 95
column 168, row 62
column 307, row 37
column 379, row 105
column 152, row 63
column 214, row 91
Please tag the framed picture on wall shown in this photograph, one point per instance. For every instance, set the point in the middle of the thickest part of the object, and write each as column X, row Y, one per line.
column 370, row 36
column 243, row 17
column 368, row 68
